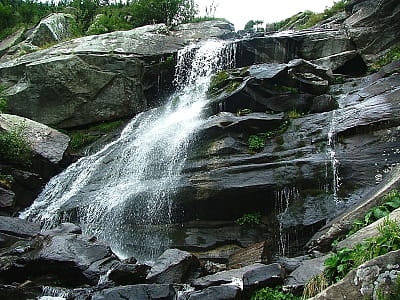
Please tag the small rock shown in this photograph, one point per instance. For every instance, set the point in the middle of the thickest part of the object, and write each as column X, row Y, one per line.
column 127, row 274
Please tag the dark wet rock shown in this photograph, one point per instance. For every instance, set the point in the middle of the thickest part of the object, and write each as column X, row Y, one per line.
column 210, row 267
column 128, row 274
column 257, row 253
column 301, row 275
column 256, row 275
column 222, row 292
column 71, row 260
column 140, row 291
column 25, row 185
column 292, row 263
column 323, row 103
column 338, row 227
column 63, row 228
column 7, row 198
column 377, row 275
column 250, row 123
column 216, row 240
column 18, row 227
column 272, row 87
column 173, row 266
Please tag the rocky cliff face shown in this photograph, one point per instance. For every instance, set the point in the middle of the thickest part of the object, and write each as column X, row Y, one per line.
column 296, row 134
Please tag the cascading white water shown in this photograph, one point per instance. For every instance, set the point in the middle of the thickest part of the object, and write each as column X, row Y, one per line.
column 282, row 200
column 124, row 193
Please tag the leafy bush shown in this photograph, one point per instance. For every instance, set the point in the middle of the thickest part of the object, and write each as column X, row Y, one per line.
column 272, row 294
column 344, row 260
column 256, row 143
column 14, row 148
column 250, row 219
column 391, row 201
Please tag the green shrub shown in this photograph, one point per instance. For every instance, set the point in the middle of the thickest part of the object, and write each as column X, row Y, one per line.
column 14, row 148
column 272, row 294
column 250, row 219
column 256, row 143
column 391, row 201
column 344, row 260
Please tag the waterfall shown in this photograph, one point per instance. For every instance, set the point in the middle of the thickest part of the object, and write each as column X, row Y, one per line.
column 334, row 162
column 124, row 193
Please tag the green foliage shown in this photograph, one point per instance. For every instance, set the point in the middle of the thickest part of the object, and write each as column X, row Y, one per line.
column 273, row 294
column 14, row 148
column 84, row 137
column 308, row 19
column 170, row 12
column 391, row 56
column 391, row 201
column 243, row 112
column 218, row 79
column 328, row 12
column 206, row 18
column 6, row 180
column 3, row 101
column 256, row 143
column 293, row 114
column 344, row 260
column 249, row 219
column 285, row 89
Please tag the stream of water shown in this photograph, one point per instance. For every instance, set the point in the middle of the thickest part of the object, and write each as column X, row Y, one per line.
column 124, row 193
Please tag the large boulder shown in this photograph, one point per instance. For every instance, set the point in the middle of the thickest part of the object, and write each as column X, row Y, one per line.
column 222, row 292
column 140, row 291
column 69, row 259
column 95, row 78
column 46, row 142
column 52, row 29
column 249, row 277
column 203, row 30
column 173, row 266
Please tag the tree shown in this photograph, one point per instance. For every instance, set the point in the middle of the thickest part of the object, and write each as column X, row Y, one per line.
column 170, row 12
column 249, row 25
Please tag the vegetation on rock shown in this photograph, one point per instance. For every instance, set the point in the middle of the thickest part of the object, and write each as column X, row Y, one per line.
column 273, row 294
column 346, row 259
column 84, row 137
column 391, row 56
column 13, row 147
column 96, row 16
column 256, row 142
column 249, row 219
column 391, row 201
column 308, row 19
column 3, row 102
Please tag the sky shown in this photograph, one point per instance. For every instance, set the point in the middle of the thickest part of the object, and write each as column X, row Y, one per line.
column 239, row 12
